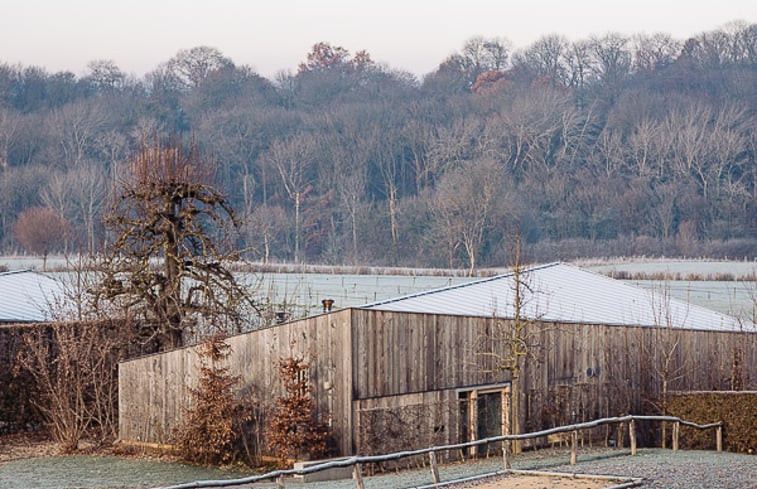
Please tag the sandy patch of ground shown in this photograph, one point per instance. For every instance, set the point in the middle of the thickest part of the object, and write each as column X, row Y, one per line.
column 542, row 482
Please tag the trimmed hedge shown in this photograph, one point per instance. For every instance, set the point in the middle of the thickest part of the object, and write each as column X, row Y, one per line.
column 737, row 410
column 18, row 391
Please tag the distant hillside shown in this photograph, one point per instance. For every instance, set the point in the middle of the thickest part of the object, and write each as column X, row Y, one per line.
column 608, row 146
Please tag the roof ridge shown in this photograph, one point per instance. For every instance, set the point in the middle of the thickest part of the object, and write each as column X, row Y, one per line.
column 460, row 286
column 14, row 272
column 573, row 294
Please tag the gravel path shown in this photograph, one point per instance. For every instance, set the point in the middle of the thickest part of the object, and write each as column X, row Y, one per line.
column 689, row 469
column 660, row 469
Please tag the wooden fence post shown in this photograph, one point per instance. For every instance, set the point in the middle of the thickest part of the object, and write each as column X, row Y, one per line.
column 632, row 435
column 434, row 467
column 506, row 454
column 358, row 476
column 473, row 420
column 719, row 438
column 573, row 447
column 676, row 432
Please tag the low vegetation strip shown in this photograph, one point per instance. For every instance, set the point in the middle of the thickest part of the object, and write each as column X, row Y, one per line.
column 682, row 276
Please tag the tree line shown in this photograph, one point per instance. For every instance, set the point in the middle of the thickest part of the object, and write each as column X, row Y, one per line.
column 612, row 145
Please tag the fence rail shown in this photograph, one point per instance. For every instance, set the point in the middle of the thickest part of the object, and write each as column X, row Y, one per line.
column 356, row 461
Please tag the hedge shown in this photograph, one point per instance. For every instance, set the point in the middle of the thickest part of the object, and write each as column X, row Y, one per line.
column 737, row 410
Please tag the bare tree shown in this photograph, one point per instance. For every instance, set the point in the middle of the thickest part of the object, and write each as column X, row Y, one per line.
column 10, row 124
column 73, row 362
column 76, row 128
column 78, row 196
column 465, row 206
column 267, row 224
column 611, row 60
column 191, row 66
column 547, row 57
column 294, row 160
column 579, row 63
column 74, row 365
column 513, row 341
column 171, row 244
column 653, row 52
column 665, row 354
column 105, row 74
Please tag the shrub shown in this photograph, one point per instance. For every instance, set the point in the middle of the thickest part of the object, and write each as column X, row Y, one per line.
column 737, row 410
column 73, row 366
column 294, row 431
column 206, row 434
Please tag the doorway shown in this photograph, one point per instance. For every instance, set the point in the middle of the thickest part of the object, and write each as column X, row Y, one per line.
column 484, row 413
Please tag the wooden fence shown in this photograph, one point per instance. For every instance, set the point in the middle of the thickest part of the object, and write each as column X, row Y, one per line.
column 356, row 462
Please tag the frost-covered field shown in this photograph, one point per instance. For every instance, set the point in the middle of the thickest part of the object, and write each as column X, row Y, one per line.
column 673, row 267
column 301, row 293
column 734, row 297
column 308, row 289
column 33, row 263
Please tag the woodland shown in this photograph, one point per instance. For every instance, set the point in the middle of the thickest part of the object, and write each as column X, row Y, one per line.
column 608, row 146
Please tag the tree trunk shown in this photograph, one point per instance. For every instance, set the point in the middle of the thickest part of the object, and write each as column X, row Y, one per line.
column 515, row 409
column 297, row 200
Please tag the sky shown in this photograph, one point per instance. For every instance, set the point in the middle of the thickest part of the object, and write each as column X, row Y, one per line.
column 275, row 35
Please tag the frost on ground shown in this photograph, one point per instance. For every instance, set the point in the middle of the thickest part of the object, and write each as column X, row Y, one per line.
column 659, row 469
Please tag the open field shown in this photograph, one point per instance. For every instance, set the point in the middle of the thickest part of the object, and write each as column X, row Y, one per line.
column 302, row 292
column 691, row 269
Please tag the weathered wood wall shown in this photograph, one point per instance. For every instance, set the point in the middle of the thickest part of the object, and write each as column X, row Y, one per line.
column 374, row 360
column 413, row 353
column 154, row 390
column 410, row 421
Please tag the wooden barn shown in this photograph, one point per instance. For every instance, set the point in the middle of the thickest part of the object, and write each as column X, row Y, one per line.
column 426, row 369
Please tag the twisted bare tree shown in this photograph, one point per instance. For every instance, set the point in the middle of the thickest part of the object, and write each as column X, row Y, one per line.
column 172, row 240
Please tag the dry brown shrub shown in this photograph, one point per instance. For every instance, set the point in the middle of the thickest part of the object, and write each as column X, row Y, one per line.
column 294, row 430
column 206, row 434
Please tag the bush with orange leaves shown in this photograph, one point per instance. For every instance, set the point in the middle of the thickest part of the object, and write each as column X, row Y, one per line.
column 294, row 432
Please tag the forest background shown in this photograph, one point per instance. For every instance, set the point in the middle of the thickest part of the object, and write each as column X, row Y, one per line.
column 607, row 146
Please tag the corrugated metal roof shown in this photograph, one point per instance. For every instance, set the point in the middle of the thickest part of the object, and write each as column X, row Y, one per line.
column 27, row 296
column 563, row 293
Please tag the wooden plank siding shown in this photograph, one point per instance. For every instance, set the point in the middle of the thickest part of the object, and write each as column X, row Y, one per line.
column 154, row 390
column 411, row 353
column 409, row 421
column 386, row 360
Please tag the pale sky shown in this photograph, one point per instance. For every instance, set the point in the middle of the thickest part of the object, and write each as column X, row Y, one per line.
column 276, row 35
